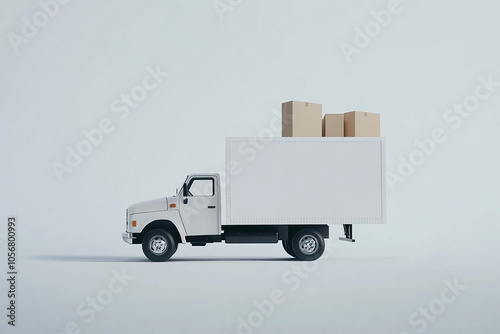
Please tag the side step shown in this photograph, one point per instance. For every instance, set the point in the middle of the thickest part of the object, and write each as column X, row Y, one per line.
column 347, row 233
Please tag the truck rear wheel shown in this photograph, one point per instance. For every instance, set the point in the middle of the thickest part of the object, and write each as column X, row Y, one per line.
column 288, row 249
column 159, row 245
column 308, row 245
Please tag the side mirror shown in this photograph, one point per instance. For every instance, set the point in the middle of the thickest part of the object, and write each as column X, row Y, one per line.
column 176, row 191
column 185, row 193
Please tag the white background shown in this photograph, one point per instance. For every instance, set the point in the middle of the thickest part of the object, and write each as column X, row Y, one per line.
column 228, row 76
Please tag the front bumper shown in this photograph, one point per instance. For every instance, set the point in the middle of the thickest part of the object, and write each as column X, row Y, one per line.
column 128, row 237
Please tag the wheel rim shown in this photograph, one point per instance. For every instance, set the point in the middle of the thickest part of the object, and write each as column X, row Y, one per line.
column 158, row 245
column 308, row 244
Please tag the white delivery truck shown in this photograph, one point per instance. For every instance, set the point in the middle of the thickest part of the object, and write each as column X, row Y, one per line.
column 287, row 189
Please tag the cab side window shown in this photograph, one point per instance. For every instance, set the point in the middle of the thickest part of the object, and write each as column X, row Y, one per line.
column 201, row 187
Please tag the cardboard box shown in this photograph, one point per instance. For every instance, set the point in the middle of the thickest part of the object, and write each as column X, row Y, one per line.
column 301, row 119
column 361, row 124
column 333, row 125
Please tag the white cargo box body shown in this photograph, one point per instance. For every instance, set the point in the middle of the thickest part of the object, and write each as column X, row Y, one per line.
column 305, row 181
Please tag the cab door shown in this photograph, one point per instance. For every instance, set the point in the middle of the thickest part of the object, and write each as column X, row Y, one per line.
column 199, row 207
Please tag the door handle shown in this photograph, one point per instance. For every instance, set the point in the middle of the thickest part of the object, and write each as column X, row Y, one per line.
column 211, row 206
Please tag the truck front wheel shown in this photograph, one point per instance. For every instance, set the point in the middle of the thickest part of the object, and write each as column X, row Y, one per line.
column 308, row 245
column 158, row 245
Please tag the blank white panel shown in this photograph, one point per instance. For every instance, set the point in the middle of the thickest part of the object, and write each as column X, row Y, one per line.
column 305, row 180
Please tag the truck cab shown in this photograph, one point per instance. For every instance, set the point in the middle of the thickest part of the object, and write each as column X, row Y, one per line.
column 193, row 211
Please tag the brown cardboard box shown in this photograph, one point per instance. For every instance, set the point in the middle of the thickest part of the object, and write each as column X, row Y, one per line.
column 361, row 124
column 333, row 125
column 301, row 119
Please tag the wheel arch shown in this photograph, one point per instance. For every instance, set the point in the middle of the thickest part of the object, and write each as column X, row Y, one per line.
column 323, row 230
column 161, row 224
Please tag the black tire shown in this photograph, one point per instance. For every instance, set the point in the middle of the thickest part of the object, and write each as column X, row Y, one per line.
column 159, row 245
column 308, row 245
column 288, row 249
